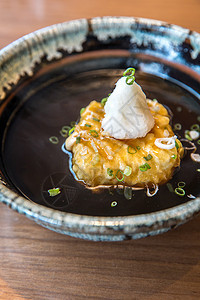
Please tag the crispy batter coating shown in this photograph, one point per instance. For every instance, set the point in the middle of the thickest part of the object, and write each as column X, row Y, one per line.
column 95, row 152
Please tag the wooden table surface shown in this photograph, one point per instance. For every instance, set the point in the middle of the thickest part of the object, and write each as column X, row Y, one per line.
column 36, row 263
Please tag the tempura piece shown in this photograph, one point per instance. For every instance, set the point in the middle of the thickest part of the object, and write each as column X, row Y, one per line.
column 126, row 139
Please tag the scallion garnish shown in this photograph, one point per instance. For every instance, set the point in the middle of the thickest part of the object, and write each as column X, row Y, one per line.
column 54, row 140
column 155, row 100
column 131, row 150
column 113, row 204
column 138, row 147
column 127, row 171
column 128, row 193
column 65, row 130
column 177, row 145
column 148, row 157
column 54, row 192
column 198, row 142
column 181, row 184
column 179, row 191
column 177, row 126
column 129, row 74
column 170, row 187
column 78, row 139
column 195, row 127
column 71, row 130
column 82, row 110
column 117, row 174
column 144, row 167
column 194, row 134
column 94, row 133
column 103, row 101
column 110, row 172
column 187, row 135
column 174, row 156
column 72, row 124
column 95, row 119
column 130, row 80
column 87, row 125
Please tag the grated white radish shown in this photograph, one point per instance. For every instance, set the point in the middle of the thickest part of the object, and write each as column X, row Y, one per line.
column 127, row 115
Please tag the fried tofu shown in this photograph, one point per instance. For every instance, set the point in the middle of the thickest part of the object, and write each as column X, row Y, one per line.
column 99, row 159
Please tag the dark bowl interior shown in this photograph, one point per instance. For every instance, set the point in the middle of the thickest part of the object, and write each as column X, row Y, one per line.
column 38, row 107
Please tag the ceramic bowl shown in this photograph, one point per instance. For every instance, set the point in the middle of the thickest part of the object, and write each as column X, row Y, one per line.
column 92, row 54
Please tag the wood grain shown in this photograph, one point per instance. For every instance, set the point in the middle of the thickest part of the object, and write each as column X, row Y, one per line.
column 36, row 263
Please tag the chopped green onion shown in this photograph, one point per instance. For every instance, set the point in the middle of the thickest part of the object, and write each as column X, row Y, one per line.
column 66, row 128
column 174, row 156
column 113, row 204
column 78, row 139
column 87, row 125
column 54, row 192
column 131, row 150
column 128, row 171
column 195, row 127
column 116, row 175
column 148, row 157
column 128, row 192
column 148, row 166
column 177, row 145
column 170, row 187
column 64, row 134
column 130, row 80
column 82, row 110
column 110, row 172
column 187, row 135
column 71, row 130
column 194, row 134
column 177, row 126
column 144, row 167
column 65, row 131
column 181, row 184
column 94, row 133
column 198, row 142
column 103, row 101
column 129, row 72
column 73, row 123
column 95, row 119
column 179, row 191
column 138, row 147
column 54, row 140
column 155, row 100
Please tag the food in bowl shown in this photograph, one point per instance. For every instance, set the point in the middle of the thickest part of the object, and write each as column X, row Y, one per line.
column 126, row 139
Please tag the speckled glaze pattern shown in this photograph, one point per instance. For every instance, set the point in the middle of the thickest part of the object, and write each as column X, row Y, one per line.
column 20, row 58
